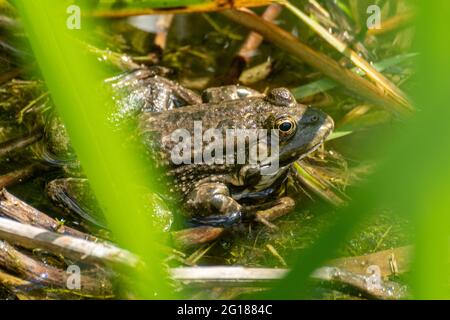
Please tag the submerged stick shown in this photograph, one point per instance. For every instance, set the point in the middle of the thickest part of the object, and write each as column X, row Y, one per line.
column 14, row 208
column 78, row 249
column 283, row 39
column 45, row 275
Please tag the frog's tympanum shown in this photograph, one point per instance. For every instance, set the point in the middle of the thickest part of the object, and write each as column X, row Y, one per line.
column 214, row 196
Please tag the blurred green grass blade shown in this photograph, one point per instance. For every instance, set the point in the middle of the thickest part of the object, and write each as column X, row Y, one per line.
column 431, row 273
column 73, row 81
column 412, row 179
column 326, row 84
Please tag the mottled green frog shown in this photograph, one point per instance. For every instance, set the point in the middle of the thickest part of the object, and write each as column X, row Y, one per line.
column 214, row 196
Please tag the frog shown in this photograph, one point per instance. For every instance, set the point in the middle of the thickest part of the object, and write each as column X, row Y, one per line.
column 218, row 196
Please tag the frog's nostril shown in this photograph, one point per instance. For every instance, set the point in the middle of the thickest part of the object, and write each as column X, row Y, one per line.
column 314, row 118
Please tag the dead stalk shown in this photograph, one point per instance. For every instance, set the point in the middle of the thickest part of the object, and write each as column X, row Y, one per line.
column 41, row 274
column 283, row 39
column 250, row 45
column 381, row 81
column 78, row 249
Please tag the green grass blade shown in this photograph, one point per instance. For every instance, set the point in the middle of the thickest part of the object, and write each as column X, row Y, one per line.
column 413, row 178
column 72, row 79
column 430, row 165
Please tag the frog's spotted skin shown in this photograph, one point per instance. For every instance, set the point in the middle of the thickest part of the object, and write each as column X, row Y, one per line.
column 215, row 195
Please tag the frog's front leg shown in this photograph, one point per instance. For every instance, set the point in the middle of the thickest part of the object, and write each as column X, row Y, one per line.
column 282, row 206
column 213, row 206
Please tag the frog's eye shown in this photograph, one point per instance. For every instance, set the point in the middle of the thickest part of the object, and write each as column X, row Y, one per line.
column 286, row 126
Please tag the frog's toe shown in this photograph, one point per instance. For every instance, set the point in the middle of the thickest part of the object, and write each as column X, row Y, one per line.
column 222, row 221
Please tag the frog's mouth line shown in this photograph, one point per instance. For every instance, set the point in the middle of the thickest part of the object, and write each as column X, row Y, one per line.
column 290, row 160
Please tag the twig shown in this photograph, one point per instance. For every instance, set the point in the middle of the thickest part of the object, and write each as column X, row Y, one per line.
column 358, row 85
column 248, row 48
column 14, row 208
column 163, row 24
column 46, row 275
column 195, row 236
column 78, row 249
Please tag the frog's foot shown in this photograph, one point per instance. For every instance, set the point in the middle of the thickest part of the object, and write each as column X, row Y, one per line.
column 282, row 206
column 213, row 198
column 196, row 236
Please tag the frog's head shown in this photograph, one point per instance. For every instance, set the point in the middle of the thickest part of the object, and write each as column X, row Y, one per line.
column 300, row 129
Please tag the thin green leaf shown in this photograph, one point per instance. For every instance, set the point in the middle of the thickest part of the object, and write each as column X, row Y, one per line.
column 326, row 84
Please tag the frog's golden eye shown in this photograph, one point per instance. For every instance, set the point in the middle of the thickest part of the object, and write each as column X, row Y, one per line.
column 286, row 126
